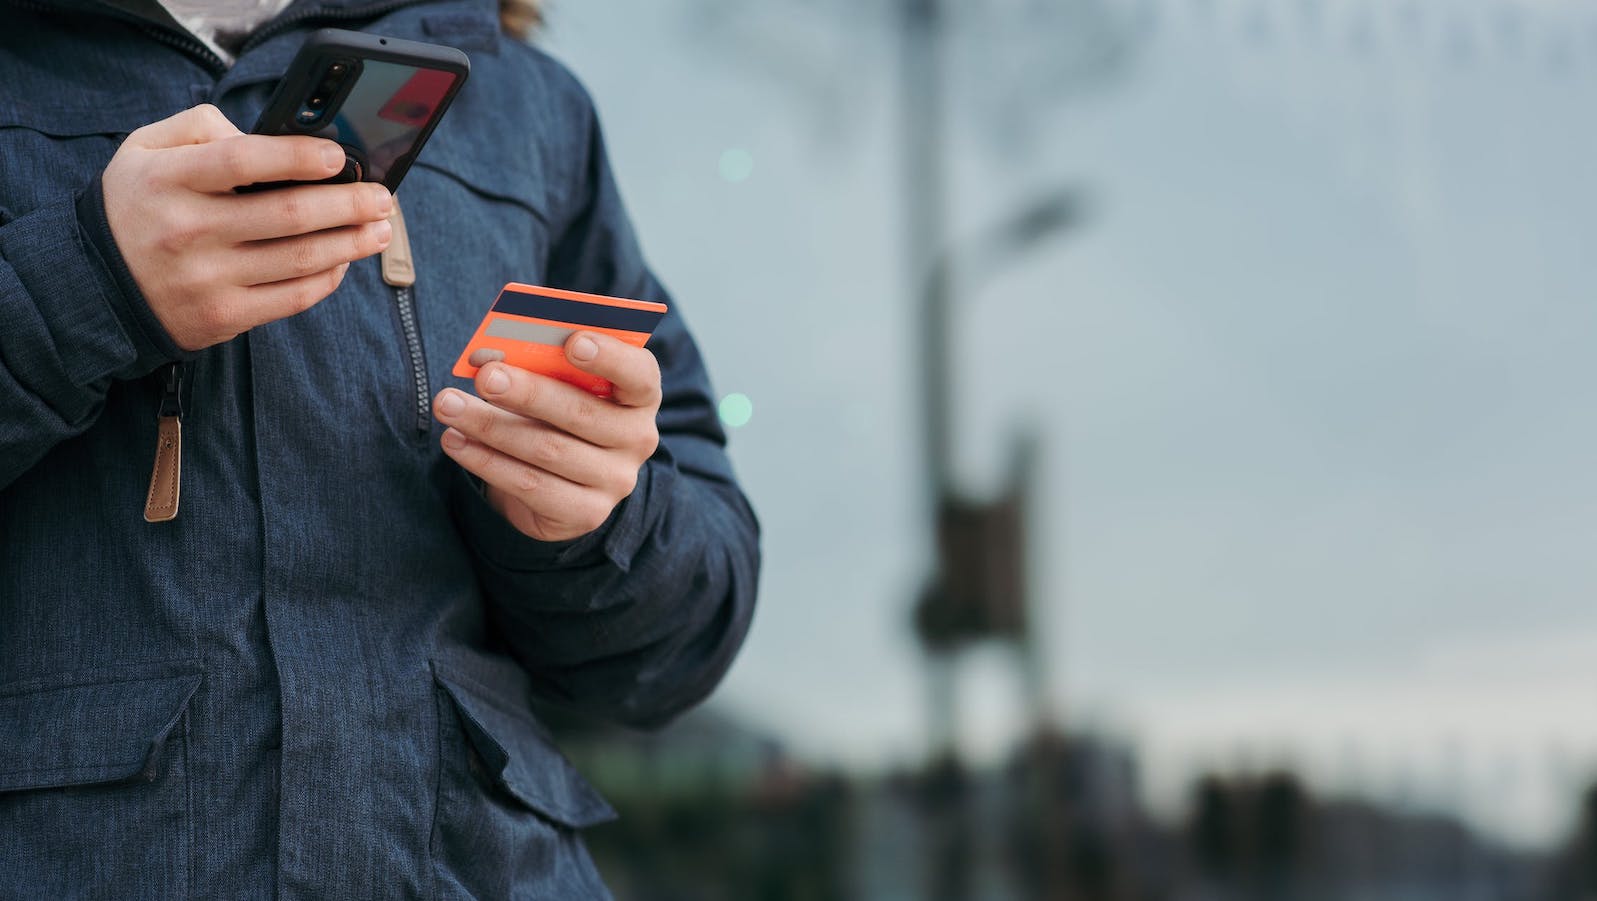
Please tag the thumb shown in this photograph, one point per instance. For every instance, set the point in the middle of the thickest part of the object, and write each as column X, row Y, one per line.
column 197, row 125
column 632, row 370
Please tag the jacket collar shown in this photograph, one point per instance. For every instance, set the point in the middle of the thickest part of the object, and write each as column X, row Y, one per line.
column 153, row 12
column 475, row 18
column 152, row 9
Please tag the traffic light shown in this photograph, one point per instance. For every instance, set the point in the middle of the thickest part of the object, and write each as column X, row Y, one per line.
column 980, row 588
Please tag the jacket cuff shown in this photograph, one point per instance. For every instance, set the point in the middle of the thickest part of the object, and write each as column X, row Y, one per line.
column 504, row 547
column 151, row 344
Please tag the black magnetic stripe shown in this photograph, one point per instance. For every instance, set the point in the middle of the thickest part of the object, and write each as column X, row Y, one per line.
column 577, row 312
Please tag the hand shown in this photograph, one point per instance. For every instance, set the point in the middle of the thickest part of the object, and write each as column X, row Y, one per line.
column 212, row 263
column 555, row 459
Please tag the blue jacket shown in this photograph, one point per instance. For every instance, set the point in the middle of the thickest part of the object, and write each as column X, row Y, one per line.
column 319, row 680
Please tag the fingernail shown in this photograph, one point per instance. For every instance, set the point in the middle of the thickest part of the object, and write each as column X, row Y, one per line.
column 383, row 231
column 454, row 440
column 482, row 356
column 385, row 201
column 451, row 404
column 333, row 156
column 496, row 382
column 584, row 349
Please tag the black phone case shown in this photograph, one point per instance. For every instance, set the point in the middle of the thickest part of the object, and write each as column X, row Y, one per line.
column 278, row 117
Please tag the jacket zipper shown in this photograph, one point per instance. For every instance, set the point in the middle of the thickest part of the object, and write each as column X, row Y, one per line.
column 182, row 42
column 399, row 272
column 163, row 33
column 159, row 31
column 405, row 300
column 166, row 476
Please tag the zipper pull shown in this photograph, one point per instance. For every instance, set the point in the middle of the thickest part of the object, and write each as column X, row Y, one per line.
column 399, row 268
column 160, row 505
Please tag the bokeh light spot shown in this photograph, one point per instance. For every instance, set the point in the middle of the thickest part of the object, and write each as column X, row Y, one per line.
column 737, row 165
column 736, row 410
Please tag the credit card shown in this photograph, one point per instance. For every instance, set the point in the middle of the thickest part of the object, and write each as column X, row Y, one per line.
column 529, row 325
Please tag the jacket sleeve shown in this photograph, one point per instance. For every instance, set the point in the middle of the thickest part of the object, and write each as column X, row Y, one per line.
column 638, row 620
column 72, row 320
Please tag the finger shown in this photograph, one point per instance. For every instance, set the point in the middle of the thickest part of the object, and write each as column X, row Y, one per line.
column 298, row 210
column 279, row 300
column 534, row 442
column 558, row 508
column 266, row 262
column 482, row 356
column 632, row 370
column 566, row 407
column 197, row 125
column 222, row 165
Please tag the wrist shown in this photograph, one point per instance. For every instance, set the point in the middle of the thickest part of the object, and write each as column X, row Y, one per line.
column 501, row 543
column 151, row 341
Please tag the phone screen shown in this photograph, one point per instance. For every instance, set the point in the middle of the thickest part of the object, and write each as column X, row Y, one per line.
column 384, row 114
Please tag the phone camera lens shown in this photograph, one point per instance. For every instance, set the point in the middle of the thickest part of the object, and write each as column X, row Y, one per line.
column 337, row 69
column 307, row 116
column 317, row 101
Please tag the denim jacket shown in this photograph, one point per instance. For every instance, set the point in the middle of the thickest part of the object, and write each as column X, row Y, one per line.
column 319, row 680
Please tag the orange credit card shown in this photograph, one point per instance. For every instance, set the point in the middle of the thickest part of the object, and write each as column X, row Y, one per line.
column 529, row 326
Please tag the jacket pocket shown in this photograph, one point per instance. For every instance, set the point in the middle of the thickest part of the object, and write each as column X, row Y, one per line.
column 94, row 797
column 509, row 804
column 51, row 152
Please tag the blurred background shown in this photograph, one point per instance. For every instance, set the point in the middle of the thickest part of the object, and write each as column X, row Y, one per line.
column 1171, row 425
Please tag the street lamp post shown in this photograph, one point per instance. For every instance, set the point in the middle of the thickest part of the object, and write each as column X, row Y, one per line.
column 925, row 193
column 977, row 586
column 934, row 266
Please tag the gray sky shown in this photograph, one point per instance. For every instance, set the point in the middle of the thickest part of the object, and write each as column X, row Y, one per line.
column 1314, row 381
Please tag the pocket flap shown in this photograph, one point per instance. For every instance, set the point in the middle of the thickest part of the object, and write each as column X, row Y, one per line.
column 520, row 756
column 87, row 730
column 109, row 113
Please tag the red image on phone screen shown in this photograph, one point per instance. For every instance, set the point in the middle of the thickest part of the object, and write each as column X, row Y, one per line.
column 414, row 102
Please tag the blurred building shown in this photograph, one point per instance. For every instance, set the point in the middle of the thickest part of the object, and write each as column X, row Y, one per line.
column 713, row 809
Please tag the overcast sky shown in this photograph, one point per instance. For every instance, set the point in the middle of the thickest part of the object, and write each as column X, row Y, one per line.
column 1314, row 380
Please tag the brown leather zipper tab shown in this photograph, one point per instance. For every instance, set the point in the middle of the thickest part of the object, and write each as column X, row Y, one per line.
column 399, row 269
column 166, row 481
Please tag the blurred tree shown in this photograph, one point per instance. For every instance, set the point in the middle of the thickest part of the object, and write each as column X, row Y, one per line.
column 1585, row 847
column 1074, row 827
column 945, row 791
column 1280, row 811
column 1213, row 831
column 1249, row 836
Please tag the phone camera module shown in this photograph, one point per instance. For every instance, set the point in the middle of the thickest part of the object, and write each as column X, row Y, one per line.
column 315, row 105
column 334, row 75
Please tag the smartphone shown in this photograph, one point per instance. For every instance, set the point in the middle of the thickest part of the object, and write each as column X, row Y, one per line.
column 379, row 97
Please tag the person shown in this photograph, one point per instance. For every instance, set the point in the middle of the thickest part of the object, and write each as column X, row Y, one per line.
column 305, row 659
